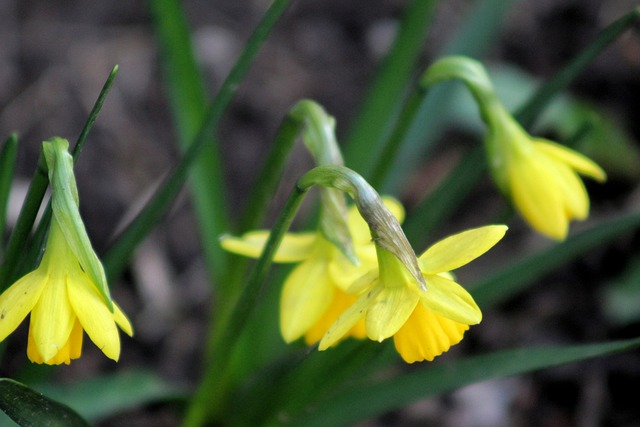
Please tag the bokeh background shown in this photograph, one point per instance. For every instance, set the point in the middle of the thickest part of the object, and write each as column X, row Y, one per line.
column 56, row 55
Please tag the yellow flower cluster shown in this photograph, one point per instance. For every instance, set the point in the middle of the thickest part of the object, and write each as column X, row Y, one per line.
column 326, row 298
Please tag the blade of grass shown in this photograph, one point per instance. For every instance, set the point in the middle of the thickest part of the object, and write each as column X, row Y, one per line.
column 513, row 279
column 188, row 104
column 382, row 102
column 375, row 399
column 122, row 248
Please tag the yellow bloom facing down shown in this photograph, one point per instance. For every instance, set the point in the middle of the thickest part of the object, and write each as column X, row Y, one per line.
column 63, row 301
column 314, row 294
column 541, row 177
column 424, row 323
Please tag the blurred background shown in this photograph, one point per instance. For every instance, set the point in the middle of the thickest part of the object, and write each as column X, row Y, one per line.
column 56, row 55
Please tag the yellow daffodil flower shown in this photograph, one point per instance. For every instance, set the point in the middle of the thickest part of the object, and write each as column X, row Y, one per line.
column 424, row 323
column 314, row 293
column 63, row 301
column 541, row 177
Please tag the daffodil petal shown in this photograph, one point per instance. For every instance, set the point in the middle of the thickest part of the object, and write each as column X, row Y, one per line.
column 306, row 294
column 18, row 300
column 294, row 247
column 363, row 282
column 349, row 318
column 94, row 315
column 390, row 311
column 344, row 272
column 536, row 194
column 426, row 335
column 581, row 163
column 574, row 194
column 460, row 249
column 341, row 301
column 122, row 320
column 52, row 318
column 448, row 299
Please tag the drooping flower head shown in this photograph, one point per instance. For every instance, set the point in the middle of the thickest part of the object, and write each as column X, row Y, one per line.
column 423, row 322
column 66, row 294
column 540, row 177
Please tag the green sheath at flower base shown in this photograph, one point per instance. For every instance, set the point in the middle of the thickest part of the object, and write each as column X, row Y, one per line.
column 64, row 203
column 320, row 139
column 539, row 176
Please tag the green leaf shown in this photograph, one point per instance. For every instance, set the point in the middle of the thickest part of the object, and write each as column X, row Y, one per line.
column 514, row 278
column 102, row 396
column 7, row 168
column 378, row 397
column 93, row 115
column 560, row 82
column 29, row 408
column 382, row 103
column 119, row 254
column 188, row 104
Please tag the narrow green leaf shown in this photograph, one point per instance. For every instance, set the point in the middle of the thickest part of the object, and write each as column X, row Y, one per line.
column 188, row 104
column 20, row 234
column 382, row 102
column 512, row 279
column 7, row 169
column 434, row 209
column 93, row 115
column 376, row 398
column 29, row 408
column 560, row 82
column 107, row 395
column 121, row 250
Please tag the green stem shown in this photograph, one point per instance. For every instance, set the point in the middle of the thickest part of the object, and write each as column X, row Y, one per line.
column 394, row 143
column 382, row 103
column 263, row 189
column 212, row 394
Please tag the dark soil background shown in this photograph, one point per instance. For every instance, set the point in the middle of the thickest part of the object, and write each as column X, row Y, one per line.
column 55, row 56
